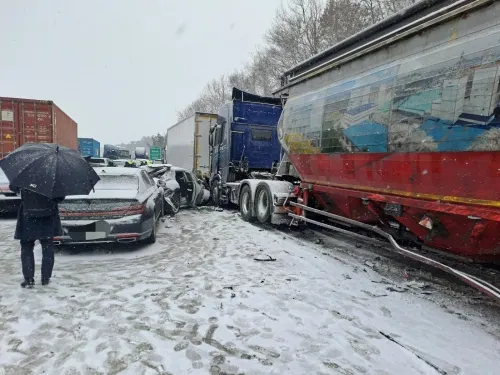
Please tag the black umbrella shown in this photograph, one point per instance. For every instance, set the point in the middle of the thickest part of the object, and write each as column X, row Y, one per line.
column 49, row 169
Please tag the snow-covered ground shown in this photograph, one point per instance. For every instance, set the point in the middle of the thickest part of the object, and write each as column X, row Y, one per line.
column 197, row 302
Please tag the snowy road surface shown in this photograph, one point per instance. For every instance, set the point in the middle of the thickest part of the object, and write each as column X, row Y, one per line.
column 197, row 302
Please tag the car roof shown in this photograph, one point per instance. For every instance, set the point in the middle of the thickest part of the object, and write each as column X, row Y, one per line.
column 179, row 169
column 117, row 171
column 159, row 166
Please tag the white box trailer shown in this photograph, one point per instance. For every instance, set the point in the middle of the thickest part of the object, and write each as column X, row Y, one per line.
column 187, row 142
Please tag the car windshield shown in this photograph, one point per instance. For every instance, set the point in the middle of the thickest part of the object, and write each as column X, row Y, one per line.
column 117, row 182
column 97, row 161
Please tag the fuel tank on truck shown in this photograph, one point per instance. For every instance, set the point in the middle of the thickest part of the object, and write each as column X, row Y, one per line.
column 406, row 110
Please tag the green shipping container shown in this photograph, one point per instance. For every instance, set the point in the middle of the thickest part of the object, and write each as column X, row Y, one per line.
column 155, row 153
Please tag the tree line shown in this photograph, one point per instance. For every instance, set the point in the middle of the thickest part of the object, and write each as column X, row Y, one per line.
column 300, row 30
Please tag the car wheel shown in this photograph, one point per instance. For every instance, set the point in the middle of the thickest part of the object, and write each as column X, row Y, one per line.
column 152, row 238
column 215, row 196
column 176, row 200
column 263, row 203
column 246, row 204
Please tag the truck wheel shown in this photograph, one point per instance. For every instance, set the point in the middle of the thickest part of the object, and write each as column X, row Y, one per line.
column 263, row 203
column 246, row 204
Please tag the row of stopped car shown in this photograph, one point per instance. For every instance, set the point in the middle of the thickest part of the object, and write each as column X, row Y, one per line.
column 125, row 205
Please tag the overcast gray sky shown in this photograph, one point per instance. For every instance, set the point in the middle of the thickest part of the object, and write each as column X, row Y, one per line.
column 122, row 68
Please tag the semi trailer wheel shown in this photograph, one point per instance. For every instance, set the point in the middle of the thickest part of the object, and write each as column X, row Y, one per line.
column 246, row 204
column 263, row 203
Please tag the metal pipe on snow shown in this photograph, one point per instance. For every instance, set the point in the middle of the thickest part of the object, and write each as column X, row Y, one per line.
column 471, row 280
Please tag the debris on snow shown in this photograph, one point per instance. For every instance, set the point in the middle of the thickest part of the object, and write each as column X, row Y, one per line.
column 133, row 310
column 269, row 259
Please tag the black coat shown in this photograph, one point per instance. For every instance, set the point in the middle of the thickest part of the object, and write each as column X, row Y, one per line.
column 38, row 218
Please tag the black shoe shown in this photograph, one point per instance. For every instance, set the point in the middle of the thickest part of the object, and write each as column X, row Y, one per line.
column 45, row 281
column 28, row 283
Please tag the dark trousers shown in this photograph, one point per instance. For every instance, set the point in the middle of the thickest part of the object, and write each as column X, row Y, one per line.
column 28, row 258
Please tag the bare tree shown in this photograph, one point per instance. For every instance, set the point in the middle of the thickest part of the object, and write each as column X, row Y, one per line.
column 214, row 94
column 343, row 18
column 262, row 73
column 195, row 106
column 301, row 29
column 377, row 10
column 296, row 33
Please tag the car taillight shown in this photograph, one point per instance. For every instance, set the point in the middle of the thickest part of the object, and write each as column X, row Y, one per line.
column 135, row 209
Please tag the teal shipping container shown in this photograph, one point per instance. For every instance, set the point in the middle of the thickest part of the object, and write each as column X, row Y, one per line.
column 89, row 147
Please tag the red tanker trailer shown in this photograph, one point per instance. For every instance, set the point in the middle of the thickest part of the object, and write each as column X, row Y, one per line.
column 396, row 129
column 399, row 126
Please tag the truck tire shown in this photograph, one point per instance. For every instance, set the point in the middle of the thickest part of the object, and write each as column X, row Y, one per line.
column 263, row 203
column 246, row 204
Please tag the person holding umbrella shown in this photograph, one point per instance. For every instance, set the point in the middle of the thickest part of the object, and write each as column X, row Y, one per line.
column 38, row 219
column 44, row 174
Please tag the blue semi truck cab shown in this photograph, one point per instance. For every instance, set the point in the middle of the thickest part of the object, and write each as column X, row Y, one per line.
column 244, row 144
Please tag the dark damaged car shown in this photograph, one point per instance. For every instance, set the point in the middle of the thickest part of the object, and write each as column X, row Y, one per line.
column 124, row 207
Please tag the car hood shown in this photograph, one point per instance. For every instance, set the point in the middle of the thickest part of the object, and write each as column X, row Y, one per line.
column 106, row 194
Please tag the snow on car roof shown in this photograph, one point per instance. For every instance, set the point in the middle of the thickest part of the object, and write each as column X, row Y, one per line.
column 117, row 171
column 159, row 166
column 179, row 169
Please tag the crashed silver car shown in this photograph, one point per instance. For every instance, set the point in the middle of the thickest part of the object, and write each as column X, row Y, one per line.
column 181, row 187
column 9, row 201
